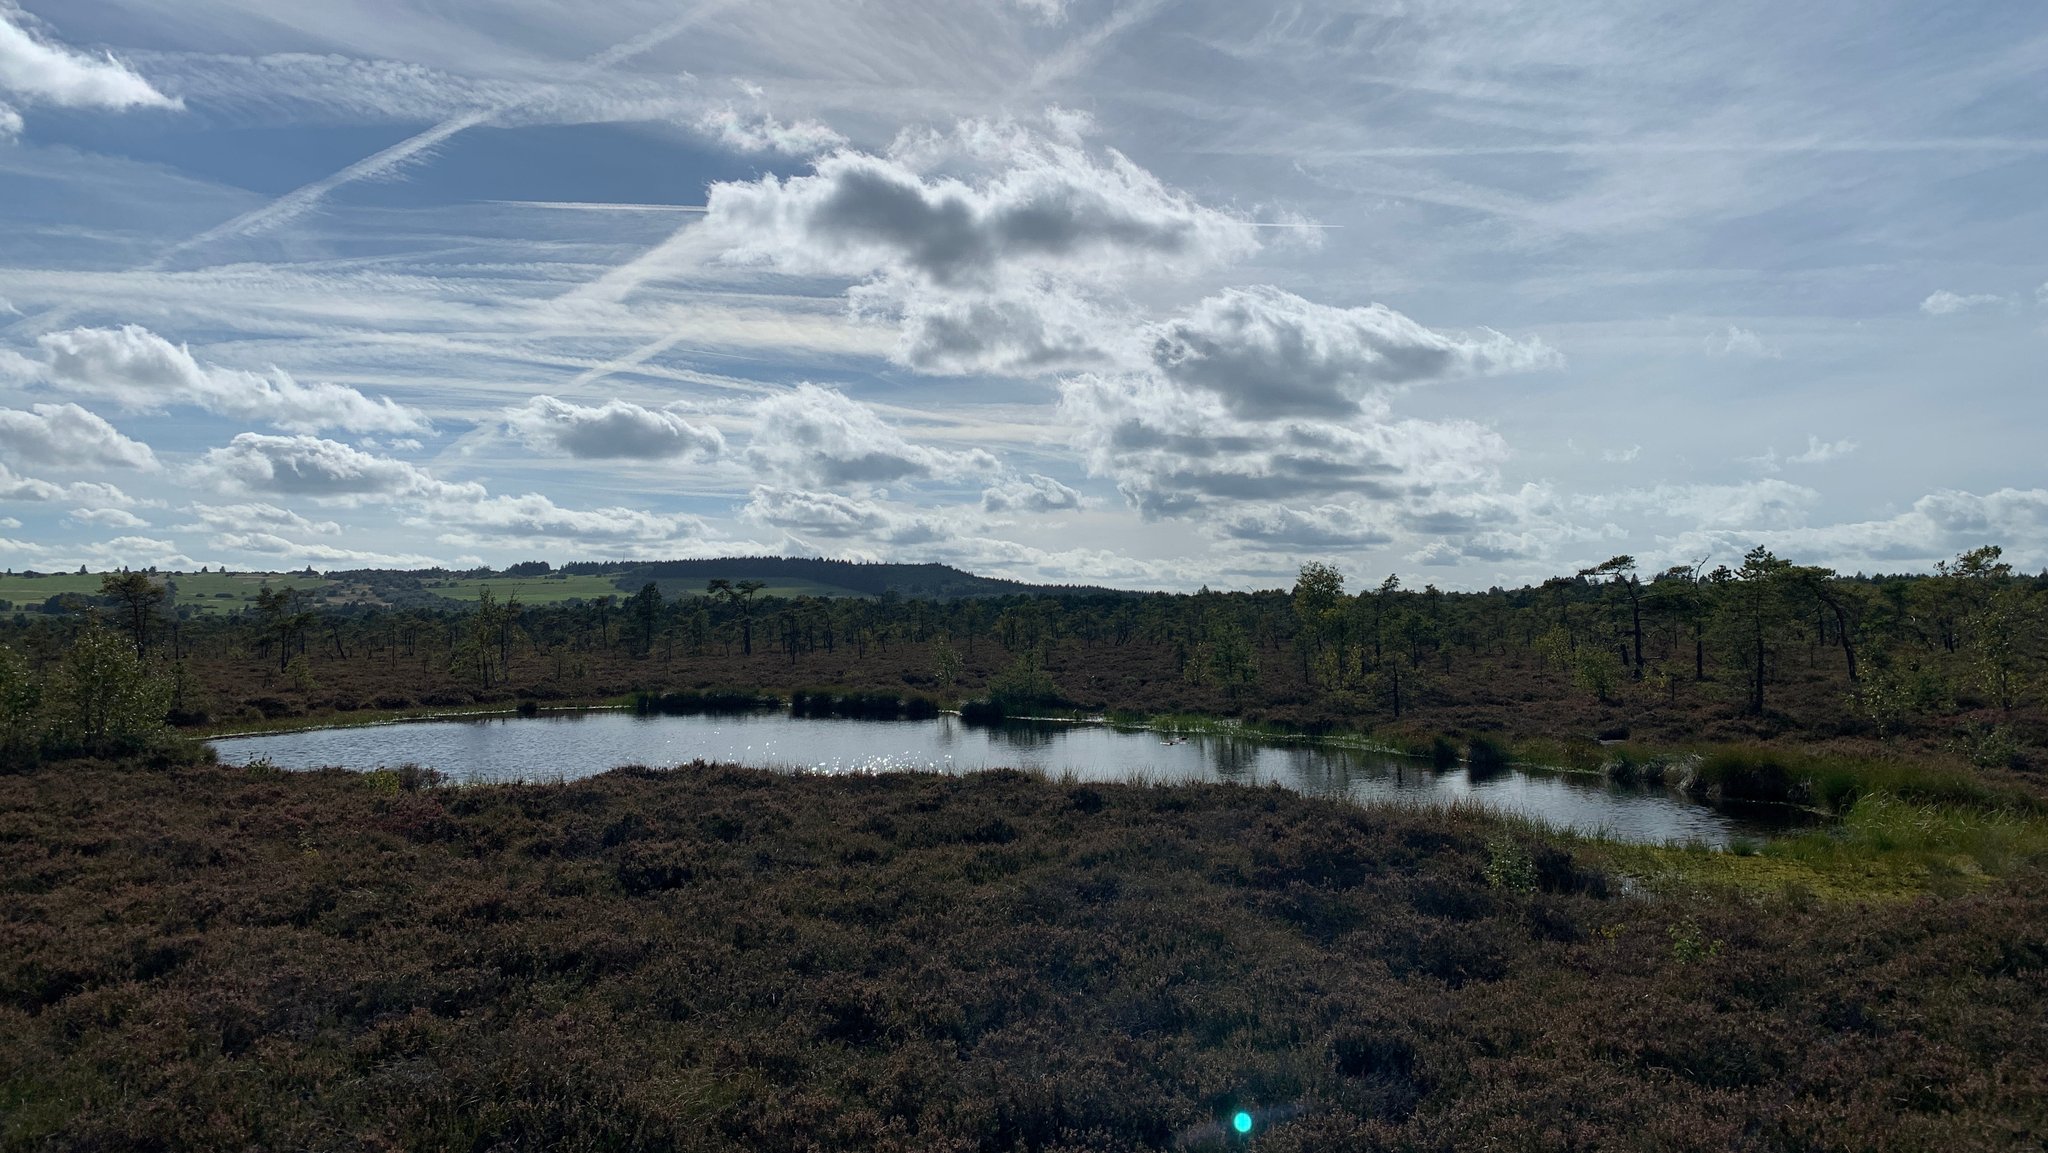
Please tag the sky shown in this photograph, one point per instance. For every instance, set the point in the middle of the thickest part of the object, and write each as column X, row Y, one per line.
column 1140, row 293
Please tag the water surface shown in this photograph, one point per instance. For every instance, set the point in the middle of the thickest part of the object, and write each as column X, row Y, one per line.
column 567, row 746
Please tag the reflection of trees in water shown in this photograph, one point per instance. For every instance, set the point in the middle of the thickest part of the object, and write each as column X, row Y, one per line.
column 1330, row 771
column 1232, row 758
column 1027, row 734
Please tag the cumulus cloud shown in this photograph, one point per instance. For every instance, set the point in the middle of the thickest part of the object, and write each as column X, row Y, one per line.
column 108, row 518
column 225, row 518
column 1323, row 526
column 1269, row 353
column 67, row 436
column 301, row 553
column 1033, row 493
column 478, row 520
column 758, row 131
column 1820, row 451
column 1936, row 527
column 1742, row 343
column 1258, row 395
column 987, row 244
column 1946, row 303
column 35, row 68
column 11, row 123
column 836, row 515
column 615, row 430
column 313, row 467
column 1173, row 451
column 819, row 437
column 142, row 372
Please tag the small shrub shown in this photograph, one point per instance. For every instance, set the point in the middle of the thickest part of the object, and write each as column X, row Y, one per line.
column 1487, row 755
column 1508, row 865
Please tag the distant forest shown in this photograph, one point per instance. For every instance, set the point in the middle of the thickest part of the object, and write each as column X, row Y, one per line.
column 1951, row 661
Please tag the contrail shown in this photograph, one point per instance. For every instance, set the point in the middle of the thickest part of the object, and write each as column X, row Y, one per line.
column 300, row 201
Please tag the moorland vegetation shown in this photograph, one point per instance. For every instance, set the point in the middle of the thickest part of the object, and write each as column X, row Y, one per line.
column 194, row 955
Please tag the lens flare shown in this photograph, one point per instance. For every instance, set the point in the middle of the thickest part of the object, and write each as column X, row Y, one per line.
column 1242, row 1122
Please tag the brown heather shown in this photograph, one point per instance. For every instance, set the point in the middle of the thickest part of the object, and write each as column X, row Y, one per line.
column 713, row 958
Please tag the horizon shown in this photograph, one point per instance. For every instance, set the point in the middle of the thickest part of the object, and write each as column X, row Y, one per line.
column 1117, row 294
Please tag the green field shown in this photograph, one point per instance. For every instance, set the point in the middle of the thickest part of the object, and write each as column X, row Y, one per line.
column 530, row 590
column 207, row 592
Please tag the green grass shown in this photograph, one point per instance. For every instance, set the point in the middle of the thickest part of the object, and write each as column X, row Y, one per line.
column 530, row 590
column 206, row 592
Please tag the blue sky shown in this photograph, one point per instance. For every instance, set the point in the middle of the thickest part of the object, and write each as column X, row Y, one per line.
column 1145, row 293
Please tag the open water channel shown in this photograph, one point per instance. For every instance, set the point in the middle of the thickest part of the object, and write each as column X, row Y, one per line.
column 571, row 745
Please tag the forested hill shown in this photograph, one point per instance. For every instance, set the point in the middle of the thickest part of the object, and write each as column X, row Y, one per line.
column 830, row 577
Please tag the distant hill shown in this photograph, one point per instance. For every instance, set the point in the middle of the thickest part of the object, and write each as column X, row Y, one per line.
column 811, row 576
column 536, row 582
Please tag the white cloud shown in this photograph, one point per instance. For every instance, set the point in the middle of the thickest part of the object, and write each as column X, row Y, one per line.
column 231, row 518
column 300, row 553
column 321, row 469
column 1764, row 503
column 1269, row 353
column 108, row 518
column 760, row 132
column 9, row 522
column 1743, row 343
column 481, row 520
column 1621, row 455
column 1946, row 303
column 1033, row 493
column 143, row 372
column 1819, row 451
column 989, row 244
column 11, row 124
column 67, row 436
column 615, row 430
column 812, row 436
column 36, row 69
column 1319, row 527
column 1044, row 11
column 834, row 515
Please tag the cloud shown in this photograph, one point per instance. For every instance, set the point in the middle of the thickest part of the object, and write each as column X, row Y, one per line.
column 2041, row 295
column 1946, row 303
column 11, row 124
column 67, row 436
column 1325, row 526
column 761, row 132
column 108, row 518
column 1621, row 455
column 258, row 515
column 834, row 515
column 988, row 244
column 482, row 520
column 1269, row 353
column 1936, row 527
column 1033, row 493
column 298, row 552
column 36, row 69
column 615, row 430
column 818, row 437
column 143, row 372
column 1768, row 502
column 321, row 469
column 1743, row 343
column 1819, row 451
column 1174, row 451
column 1044, row 11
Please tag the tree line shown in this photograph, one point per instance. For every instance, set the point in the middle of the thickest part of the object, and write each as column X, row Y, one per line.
column 1968, row 636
